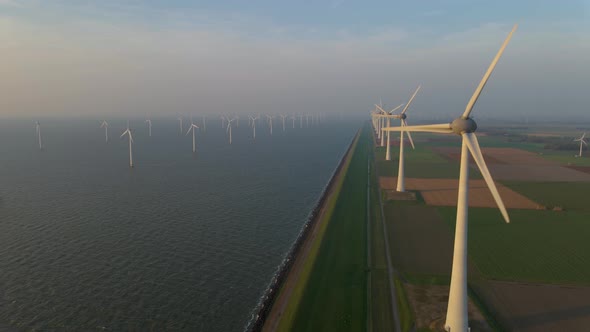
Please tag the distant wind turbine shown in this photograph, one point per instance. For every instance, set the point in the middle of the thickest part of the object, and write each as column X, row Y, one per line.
column 402, row 116
column 38, row 131
column 180, row 124
column 300, row 120
column 193, row 128
column 270, row 122
column 229, row 128
column 283, row 116
column 253, row 119
column 204, row 123
column 128, row 132
column 293, row 118
column 465, row 126
column 389, row 117
column 149, row 122
column 582, row 142
column 105, row 125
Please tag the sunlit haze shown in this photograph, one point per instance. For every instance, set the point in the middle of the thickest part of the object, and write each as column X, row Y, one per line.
column 95, row 58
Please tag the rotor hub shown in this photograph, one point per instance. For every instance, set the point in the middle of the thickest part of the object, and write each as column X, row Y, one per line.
column 461, row 125
column 402, row 116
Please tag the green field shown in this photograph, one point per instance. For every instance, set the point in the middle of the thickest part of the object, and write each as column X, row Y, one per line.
column 335, row 295
column 537, row 245
column 568, row 195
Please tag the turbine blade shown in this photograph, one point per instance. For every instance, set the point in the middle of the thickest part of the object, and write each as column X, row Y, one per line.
column 410, row 101
column 395, row 109
column 486, row 76
column 125, row 132
column 189, row 130
column 380, row 109
column 405, row 124
column 584, row 142
column 473, row 145
column 131, row 137
column 444, row 128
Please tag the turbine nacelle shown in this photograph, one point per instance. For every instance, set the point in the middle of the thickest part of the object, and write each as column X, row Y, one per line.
column 462, row 125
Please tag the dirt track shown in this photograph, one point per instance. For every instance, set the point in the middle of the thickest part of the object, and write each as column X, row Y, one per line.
column 443, row 192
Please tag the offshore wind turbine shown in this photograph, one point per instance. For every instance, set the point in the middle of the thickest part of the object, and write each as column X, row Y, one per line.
column 283, row 116
column 193, row 128
column 180, row 124
column 105, row 125
column 293, row 118
column 270, row 122
column 38, row 131
column 229, row 128
column 204, row 123
column 128, row 132
column 253, row 119
column 465, row 126
column 149, row 122
column 581, row 140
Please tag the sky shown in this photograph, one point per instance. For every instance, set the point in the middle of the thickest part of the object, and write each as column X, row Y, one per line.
column 157, row 57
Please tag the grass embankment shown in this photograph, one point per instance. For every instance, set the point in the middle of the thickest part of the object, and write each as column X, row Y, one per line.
column 331, row 291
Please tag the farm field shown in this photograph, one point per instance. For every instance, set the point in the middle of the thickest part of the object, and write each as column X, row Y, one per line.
column 567, row 195
column 537, row 245
column 443, row 192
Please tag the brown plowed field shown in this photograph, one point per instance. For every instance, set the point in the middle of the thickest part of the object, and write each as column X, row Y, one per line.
column 443, row 192
column 585, row 169
column 520, row 165
column 542, row 308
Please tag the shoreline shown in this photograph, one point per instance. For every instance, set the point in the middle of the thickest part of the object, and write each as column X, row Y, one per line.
column 268, row 312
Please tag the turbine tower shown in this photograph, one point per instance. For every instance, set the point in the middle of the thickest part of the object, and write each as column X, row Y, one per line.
column 293, row 119
column 38, row 131
column 128, row 132
column 149, row 122
column 105, row 125
column 204, row 123
column 193, row 128
column 582, row 142
column 465, row 126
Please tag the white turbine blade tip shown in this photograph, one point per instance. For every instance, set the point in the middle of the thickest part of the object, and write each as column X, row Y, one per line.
column 473, row 145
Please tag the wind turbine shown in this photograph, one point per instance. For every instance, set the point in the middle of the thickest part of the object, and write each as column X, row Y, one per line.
column 253, row 119
column 180, row 124
column 193, row 128
column 300, row 120
column 293, row 118
column 128, row 132
column 465, row 126
column 105, row 125
column 581, row 140
column 38, row 131
column 283, row 116
column 270, row 122
column 229, row 128
column 389, row 117
column 149, row 122
column 204, row 123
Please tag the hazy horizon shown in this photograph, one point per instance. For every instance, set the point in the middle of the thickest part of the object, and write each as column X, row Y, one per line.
column 163, row 58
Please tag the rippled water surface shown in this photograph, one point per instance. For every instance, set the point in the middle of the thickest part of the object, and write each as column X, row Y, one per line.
column 179, row 242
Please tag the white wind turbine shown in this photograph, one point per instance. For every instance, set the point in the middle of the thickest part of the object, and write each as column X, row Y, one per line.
column 457, row 316
column 193, row 128
column 149, row 122
column 293, row 119
column 128, row 132
column 300, row 120
column 253, row 119
column 389, row 117
column 270, row 122
column 180, row 124
column 204, row 123
column 105, row 125
column 283, row 116
column 229, row 128
column 582, row 142
column 38, row 131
